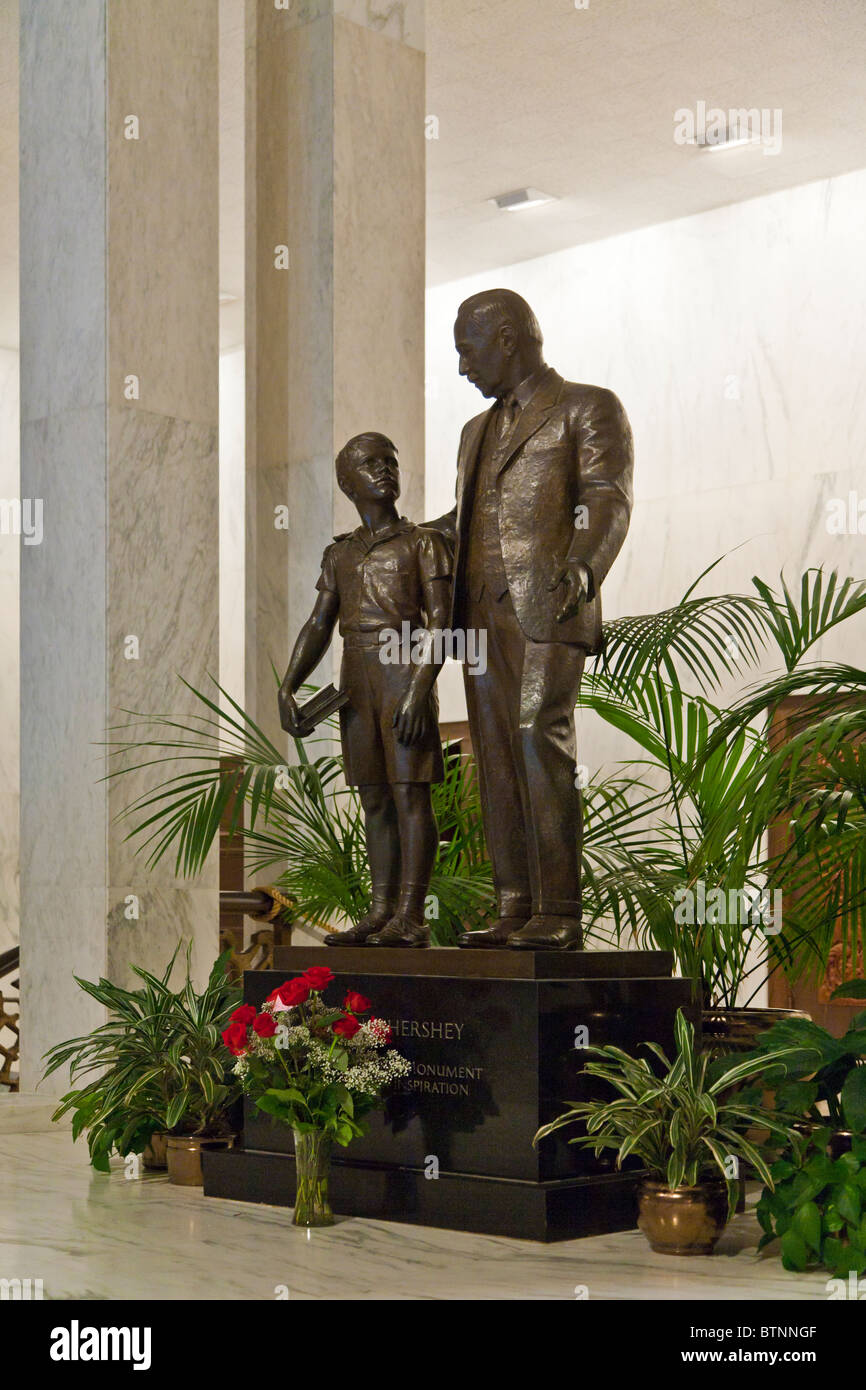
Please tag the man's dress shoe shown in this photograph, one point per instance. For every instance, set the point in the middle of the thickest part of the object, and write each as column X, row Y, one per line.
column 548, row 933
column 497, row 935
column 401, row 931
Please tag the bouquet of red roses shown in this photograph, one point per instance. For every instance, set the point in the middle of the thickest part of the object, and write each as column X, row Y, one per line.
column 310, row 1065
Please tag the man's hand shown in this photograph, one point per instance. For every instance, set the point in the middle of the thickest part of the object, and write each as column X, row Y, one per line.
column 576, row 580
column 410, row 717
column 289, row 715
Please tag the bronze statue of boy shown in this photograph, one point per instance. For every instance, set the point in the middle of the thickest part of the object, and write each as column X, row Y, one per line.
column 386, row 573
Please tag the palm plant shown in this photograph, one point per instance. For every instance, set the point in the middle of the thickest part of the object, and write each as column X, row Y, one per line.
column 155, row 1066
column 708, row 821
column 298, row 818
column 813, row 784
column 683, row 1124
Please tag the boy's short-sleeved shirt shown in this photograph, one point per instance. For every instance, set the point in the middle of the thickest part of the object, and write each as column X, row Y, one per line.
column 382, row 580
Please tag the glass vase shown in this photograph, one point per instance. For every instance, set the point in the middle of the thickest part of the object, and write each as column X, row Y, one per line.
column 312, row 1164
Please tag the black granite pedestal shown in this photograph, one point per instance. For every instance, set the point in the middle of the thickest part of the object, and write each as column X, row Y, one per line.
column 496, row 1043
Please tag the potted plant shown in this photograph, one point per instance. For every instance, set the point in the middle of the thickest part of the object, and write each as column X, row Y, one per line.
column 721, row 780
column 318, row 1069
column 160, row 1070
column 812, row 785
column 122, row 1108
column 820, row 1078
column 816, row 1206
column 199, row 1088
column 689, row 1131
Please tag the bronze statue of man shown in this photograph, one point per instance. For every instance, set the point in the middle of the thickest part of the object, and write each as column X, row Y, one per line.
column 544, row 495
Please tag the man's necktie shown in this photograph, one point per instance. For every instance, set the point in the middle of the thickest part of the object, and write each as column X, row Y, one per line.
column 507, row 415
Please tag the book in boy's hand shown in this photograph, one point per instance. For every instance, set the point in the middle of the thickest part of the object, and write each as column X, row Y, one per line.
column 323, row 704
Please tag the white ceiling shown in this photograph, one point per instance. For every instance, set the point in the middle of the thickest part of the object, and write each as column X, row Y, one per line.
column 580, row 103
column 577, row 102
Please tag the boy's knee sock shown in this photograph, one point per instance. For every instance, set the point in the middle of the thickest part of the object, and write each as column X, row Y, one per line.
column 410, row 903
column 383, row 899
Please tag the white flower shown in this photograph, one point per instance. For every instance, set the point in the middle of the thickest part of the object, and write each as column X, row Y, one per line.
column 375, row 1031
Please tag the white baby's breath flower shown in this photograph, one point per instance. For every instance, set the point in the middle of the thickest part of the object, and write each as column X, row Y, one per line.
column 376, row 1032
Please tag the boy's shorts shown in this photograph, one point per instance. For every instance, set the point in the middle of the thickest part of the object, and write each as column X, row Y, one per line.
column 371, row 750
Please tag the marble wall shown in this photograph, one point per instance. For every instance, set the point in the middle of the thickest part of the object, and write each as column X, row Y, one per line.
column 10, row 544
column 736, row 340
column 231, row 514
column 119, row 354
column 335, row 337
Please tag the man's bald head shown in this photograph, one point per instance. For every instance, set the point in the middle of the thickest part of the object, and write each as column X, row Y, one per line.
column 492, row 308
column 498, row 341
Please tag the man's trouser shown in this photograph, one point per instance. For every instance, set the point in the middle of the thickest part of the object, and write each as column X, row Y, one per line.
column 521, row 718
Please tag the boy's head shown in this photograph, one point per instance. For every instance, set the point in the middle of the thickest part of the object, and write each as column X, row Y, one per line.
column 367, row 469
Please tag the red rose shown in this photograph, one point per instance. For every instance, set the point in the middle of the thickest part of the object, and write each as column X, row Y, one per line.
column 318, row 977
column 347, row 1027
column 291, row 992
column 356, row 1003
column 235, row 1038
column 265, row 1025
column 244, row 1014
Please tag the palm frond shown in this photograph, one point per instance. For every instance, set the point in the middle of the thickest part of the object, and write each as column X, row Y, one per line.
column 710, row 637
column 798, row 620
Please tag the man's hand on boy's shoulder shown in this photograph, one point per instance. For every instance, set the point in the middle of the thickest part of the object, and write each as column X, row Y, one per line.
column 411, row 718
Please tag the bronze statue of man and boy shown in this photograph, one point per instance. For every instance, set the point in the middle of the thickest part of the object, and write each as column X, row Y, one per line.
column 544, row 494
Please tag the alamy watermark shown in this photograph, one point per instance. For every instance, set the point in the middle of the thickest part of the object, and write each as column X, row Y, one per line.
column 855, row 1289
column 21, row 1290
column 846, row 517
column 713, row 128
column 22, row 516
column 756, row 907
column 77, row 1343
column 420, row 646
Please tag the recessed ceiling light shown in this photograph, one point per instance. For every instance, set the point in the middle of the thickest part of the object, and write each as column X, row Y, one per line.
column 729, row 141
column 713, row 128
column 520, row 198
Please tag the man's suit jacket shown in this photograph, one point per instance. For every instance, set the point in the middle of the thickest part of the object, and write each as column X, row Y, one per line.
column 564, row 479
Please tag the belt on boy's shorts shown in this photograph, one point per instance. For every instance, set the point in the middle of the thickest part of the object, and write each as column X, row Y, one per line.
column 370, row 639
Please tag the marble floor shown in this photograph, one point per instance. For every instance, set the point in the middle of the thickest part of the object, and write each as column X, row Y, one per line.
column 87, row 1235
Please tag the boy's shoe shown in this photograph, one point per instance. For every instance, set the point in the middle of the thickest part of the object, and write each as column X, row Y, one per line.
column 360, row 934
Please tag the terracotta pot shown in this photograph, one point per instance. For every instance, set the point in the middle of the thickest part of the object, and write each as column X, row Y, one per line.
column 154, row 1152
column 683, row 1220
column 184, row 1151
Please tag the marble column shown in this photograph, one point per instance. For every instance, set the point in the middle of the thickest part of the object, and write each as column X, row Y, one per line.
column 10, row 545
column 334, row 289
column 119, row 412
